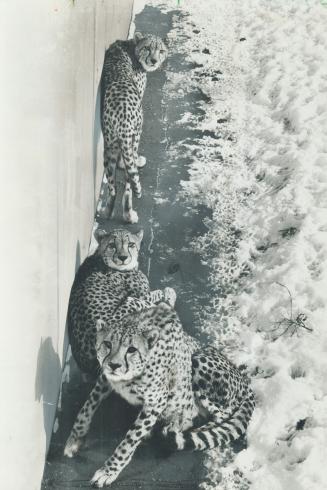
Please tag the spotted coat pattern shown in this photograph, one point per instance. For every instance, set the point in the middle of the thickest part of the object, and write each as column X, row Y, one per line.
column 150, row 361
column 123, row 83
column 107, row 286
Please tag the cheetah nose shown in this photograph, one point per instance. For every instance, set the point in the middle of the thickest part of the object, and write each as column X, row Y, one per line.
column 114, row 366
column 153, row 61
column 122, row 257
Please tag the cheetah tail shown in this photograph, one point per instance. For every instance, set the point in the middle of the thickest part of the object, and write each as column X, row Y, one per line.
column 215, row 434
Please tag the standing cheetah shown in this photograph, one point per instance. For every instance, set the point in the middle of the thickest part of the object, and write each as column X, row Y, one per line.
column 149, row 360
column 108, row 286
column 122, row 87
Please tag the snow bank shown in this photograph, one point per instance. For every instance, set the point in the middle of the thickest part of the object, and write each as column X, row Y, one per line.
column 286, row 242
column 262, row 66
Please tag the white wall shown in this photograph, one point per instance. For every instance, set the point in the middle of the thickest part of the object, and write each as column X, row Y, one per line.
column 51, row 55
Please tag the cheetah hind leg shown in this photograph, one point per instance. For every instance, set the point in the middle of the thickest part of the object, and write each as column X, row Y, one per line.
column 165, row 440
column 111, row 157
column 140, row 162
column 129, row 215
column 121, row 163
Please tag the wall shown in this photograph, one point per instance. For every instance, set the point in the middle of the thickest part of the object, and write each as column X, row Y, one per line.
column 51, row 59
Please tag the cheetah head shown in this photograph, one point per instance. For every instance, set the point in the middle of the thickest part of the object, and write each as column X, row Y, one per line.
column 150, row 51
column 122, row 355
column 119, row 249
column 124, row 349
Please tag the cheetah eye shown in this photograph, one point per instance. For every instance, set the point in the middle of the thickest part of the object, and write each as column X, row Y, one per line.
column 162, row 51
column 112, row 245
column 131, row 245
column 131, row 349
column 108, row 344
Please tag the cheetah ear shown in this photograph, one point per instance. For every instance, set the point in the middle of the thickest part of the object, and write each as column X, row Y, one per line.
column 101, row 331
column 138, row 36
column 99, row 234
column 139, row 235
column 152, row 337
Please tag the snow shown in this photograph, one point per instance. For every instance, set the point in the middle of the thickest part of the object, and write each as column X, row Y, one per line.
column 265, row 77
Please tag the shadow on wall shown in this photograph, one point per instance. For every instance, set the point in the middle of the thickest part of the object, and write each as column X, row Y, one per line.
column 96, row 139
column 47, row 382
column 49, row 372
column 66, row 339
column 77, row 256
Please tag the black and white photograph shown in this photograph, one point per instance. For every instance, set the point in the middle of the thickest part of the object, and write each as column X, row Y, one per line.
column 164, row 244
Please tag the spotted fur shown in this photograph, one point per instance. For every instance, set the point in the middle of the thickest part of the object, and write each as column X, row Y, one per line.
column 126, row 65
column 108, row 286
column 149, row 360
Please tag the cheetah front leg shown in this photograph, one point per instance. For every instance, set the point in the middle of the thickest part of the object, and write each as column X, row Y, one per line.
column 81, row 426
column 140, row 430
column 156, row 296
column 132, row 181
column 140, row 161
column 132, row 304
column 129, row 214
column 167, row 295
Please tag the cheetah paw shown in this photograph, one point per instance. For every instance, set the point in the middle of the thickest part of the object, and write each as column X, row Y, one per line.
column 171, row 441
column 104, row 213
column 157, row 296
column 131, row 217
column 102, row 478
column 141, row 161
column 180, row 441
column 121, row 164
column 170, row 296
column 72, row 446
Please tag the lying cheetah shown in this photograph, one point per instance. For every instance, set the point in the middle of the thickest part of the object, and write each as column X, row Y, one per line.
column 123, row 83
column 149, row 360
column 108, row 286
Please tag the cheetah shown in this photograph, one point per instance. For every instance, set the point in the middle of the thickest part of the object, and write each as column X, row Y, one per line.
column 107, row 286
column 126, row 65
column 150, row 361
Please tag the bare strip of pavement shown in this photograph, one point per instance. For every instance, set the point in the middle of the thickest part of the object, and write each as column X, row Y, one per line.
column 170, row 224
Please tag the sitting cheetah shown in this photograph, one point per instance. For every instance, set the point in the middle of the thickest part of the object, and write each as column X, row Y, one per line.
column 149, row 360
column 123, row 83
column 108, row 286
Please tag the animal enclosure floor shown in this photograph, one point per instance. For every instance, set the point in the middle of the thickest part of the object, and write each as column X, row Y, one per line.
column 170, row 224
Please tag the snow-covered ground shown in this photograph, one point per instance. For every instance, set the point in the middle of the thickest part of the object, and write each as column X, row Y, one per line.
column 263, row 66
